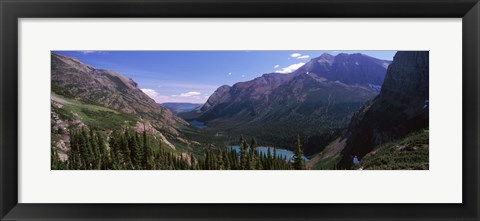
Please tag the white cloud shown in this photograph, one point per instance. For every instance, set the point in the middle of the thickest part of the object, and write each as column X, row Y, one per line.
column 188, row 97
column 243, row 75
column 276, row 66
column 150, row 92
column 299, row 56
column 290, row 68
column 230, row 73
column 294, row 55
column 188, row 94
column 155, row 95
column 90, row 52
column 303, row 57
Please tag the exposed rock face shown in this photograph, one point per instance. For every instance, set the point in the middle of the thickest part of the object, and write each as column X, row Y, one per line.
column 324, row 93
column 399, row 109
column 74, row 79
column 352, row 69
column 220, row 95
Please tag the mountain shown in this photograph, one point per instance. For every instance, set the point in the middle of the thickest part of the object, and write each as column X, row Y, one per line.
column 400, row 109
column 181, row 107
column 319, row 97
column 351, row 69
column 71, row 79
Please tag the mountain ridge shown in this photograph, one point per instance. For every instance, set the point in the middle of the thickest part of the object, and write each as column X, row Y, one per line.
column 306, row 95
column 72, row 78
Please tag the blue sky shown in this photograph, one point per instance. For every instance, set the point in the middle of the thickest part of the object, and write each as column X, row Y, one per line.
column 192, row 76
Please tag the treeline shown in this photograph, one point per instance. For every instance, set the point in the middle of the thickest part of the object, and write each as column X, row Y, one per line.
column 249, row 158
column 130, row 150
column 126, row 150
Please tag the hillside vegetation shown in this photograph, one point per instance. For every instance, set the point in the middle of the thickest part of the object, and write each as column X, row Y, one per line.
column 409, row 153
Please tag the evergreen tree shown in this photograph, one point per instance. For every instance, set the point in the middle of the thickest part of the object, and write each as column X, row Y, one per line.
column 298, row 162
column 252, row 155
column 136, row 155
column 147, row 161
column 243, row 153
column 104, row 162
column 127, row 164
column 73, row 157
column 116, row 151
column 275, row 159
column 269, row 159
column 94, row 151
column 85, row 151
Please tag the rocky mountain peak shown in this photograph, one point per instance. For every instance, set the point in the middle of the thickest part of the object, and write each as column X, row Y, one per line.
column 353, row 69
column 219, row 96
column 72, row 62
column 325, row 58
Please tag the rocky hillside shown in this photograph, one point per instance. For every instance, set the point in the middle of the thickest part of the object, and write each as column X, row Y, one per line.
column 321, row 95
column 73, row 79
column 400, row 109
column 352, row 69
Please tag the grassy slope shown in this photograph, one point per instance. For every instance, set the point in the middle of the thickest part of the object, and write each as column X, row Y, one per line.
column 95, row 117
column 329, row 157
column 327, row 163
column 409, row 153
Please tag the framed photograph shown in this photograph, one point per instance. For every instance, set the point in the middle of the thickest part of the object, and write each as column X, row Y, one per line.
column 173, row 110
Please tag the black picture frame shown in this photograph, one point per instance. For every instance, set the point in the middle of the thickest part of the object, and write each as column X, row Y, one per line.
column 12, row 10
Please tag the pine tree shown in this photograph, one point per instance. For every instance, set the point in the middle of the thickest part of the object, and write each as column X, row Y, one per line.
column 72, row 153
column 136, row 154
column 157, row 160
column 207, row 160
column 104, row 156
column 94, row 151
column 243, row 153
column 146, row 161
column 127, row 164
column 252, row 155
column 298, row 162
column 116, row 151
column 226, row 159
column 85, row 151
column 269, row 159
column 275, row 160
column 234, row 159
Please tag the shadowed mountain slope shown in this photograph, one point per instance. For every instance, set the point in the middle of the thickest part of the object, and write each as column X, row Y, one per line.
column 400, row 109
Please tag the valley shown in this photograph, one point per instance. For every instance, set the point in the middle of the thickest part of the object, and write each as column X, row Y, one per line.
column 321, row 116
